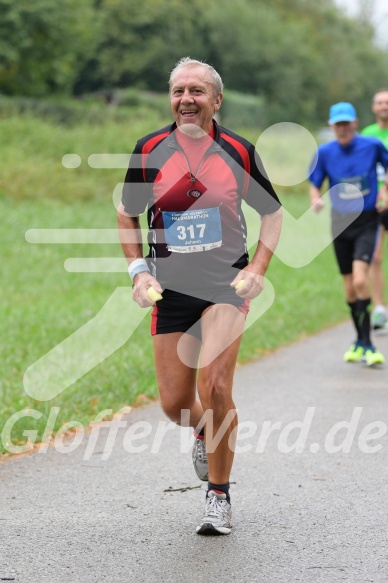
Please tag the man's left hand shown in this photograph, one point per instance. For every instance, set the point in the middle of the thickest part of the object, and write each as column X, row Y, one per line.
column 252, row 284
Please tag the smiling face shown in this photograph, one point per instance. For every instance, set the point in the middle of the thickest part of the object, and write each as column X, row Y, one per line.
column 192, row 97
column 345, row 131
column 380, row 108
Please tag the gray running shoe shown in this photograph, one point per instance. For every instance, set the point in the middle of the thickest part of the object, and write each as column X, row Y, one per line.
column 200, row 459
column 379, row 320
column 218, row 515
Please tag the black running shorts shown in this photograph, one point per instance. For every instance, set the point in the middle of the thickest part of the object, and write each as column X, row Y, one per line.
column 357, row 241
column 178, row 312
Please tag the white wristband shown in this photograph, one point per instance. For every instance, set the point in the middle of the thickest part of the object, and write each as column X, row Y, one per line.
column 136, row 267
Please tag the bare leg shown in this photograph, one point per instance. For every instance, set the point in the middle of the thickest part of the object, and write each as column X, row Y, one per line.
column 356, row 283
column 176, row 380
column 215, row 382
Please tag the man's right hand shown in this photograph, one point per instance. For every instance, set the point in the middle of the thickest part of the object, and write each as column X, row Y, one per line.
column 317, row 205
column 142, row 282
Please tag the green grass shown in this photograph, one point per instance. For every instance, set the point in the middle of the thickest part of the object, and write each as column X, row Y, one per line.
column 42, row 304
column 32, row 152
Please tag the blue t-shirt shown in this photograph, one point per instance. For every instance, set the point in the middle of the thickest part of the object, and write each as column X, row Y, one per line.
column 351, row 171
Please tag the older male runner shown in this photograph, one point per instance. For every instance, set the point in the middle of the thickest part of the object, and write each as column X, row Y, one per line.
column 193, row 176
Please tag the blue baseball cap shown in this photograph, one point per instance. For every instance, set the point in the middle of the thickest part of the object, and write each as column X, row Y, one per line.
column 342, row 111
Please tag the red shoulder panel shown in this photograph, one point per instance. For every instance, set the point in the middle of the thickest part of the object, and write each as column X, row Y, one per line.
column 148, row 147
column 244, row 154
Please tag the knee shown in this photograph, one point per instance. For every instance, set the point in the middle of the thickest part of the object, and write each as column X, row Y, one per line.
column 176, row 410
column 172, row 411
column 360, row 285
column 215, row 394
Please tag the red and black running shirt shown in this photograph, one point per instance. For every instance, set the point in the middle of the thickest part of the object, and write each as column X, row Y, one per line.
column 193, row 190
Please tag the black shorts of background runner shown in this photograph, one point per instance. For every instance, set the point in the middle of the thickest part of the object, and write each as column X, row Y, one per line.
column 178, row 312
column 355, row 242
column 383, row 219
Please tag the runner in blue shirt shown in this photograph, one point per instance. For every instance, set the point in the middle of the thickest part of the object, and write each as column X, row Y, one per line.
column 349, row 163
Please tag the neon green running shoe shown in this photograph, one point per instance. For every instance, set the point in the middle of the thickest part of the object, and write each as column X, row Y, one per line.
column 355, row 353
column 373, row 356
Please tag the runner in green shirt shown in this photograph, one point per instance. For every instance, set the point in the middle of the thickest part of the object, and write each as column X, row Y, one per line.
column 379, row 130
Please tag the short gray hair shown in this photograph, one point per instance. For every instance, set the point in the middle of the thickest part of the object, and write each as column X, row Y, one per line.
column 215, row 77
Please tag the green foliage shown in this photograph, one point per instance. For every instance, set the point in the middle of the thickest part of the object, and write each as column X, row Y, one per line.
column 239, row 110
column 44, row 44
column 72, row 112
column 155, row 102
column 300, row 56
column 351, row 65
column 297, row 57
column 142, row 41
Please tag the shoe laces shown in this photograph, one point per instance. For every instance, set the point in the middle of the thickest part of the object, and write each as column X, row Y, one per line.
column 201, row 451
column 215, row 507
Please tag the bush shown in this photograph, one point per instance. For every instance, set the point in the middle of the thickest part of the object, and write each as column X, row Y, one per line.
column 243, row 111
column 68, row 112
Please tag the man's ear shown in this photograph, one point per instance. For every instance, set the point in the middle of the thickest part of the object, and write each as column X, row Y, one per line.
column 217, row 103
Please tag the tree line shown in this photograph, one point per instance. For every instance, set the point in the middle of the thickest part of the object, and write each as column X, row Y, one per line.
column 298, row 56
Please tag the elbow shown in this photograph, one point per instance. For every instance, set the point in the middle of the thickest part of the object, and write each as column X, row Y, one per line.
column 124, row 218
column 278, row 215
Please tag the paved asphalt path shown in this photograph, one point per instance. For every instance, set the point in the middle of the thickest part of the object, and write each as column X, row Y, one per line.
column 320, row 514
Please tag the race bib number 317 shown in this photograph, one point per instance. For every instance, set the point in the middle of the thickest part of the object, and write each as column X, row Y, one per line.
column 193, row 230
